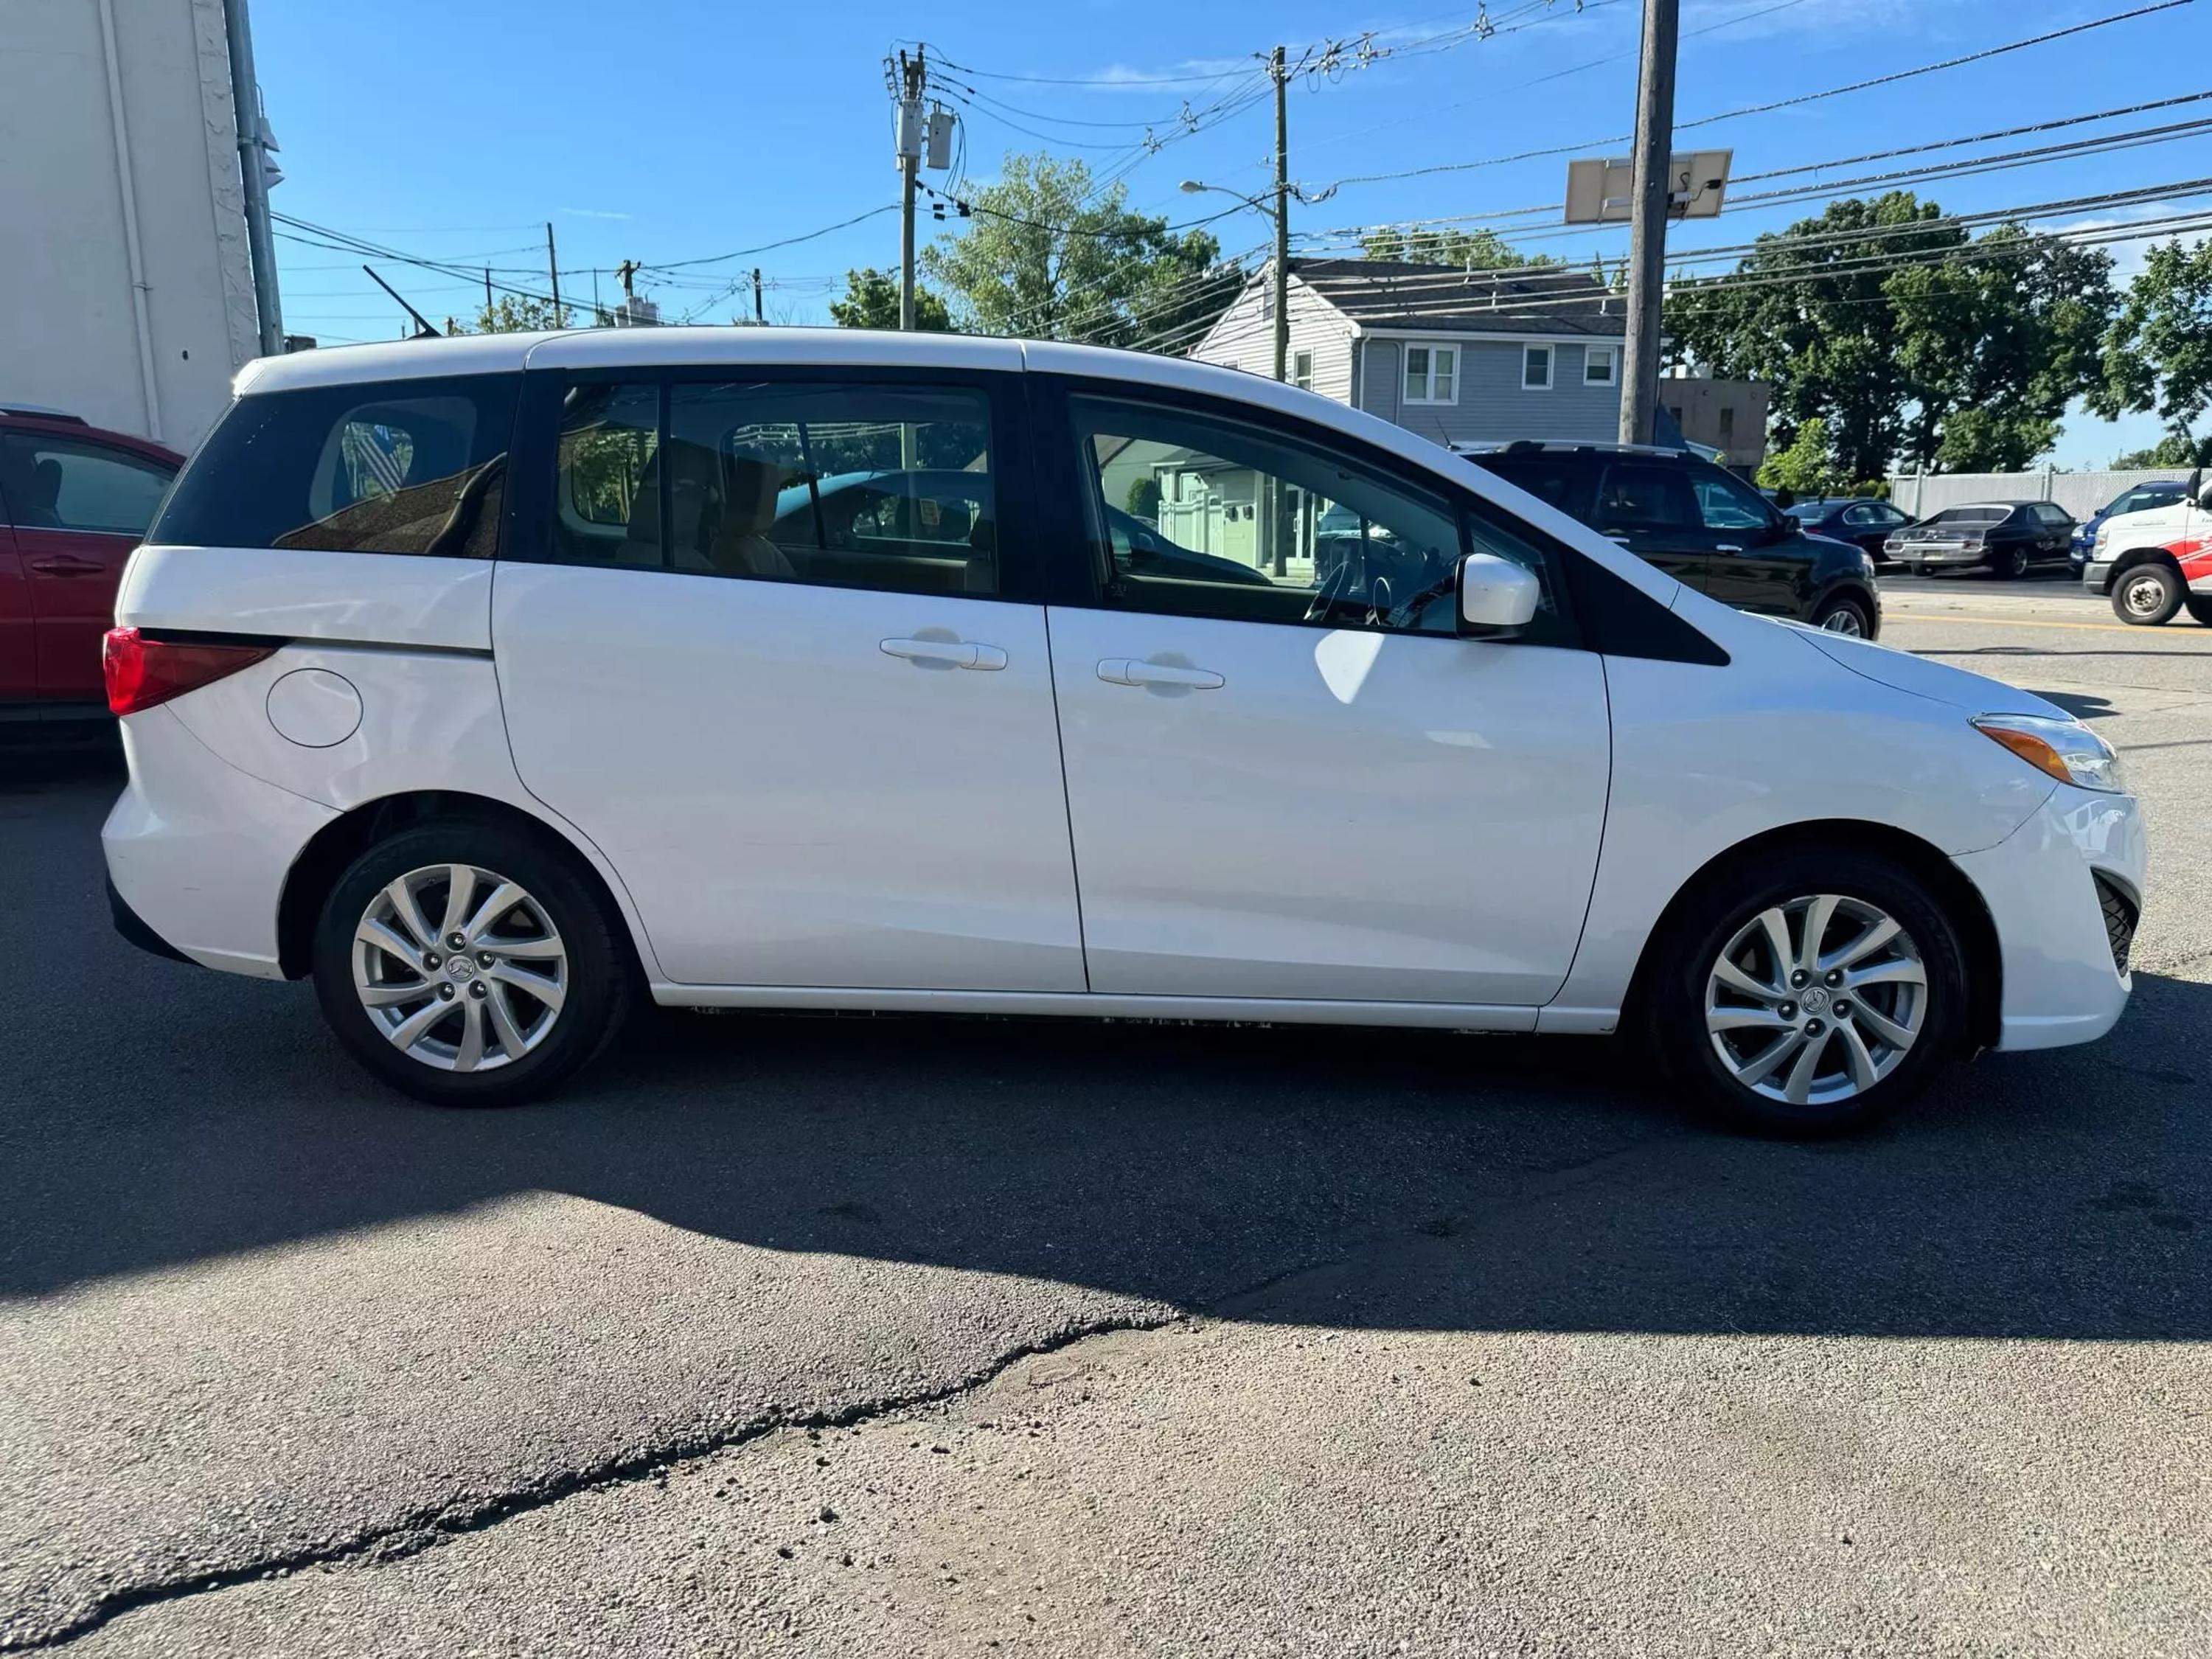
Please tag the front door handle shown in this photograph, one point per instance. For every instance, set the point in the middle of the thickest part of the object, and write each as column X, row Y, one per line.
column 947, row 653
column 1728, row 547
column 67, row 564
column 1128, row 670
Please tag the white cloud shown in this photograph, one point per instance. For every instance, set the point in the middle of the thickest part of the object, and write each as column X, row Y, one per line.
column 593, row 213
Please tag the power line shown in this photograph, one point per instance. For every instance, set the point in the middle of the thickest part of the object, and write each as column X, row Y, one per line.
column 1890, row 79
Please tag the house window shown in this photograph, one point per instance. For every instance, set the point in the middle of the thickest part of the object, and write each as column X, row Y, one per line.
column 1302, row 370
column 1727, row 425
column 1431, row 375
column 1536, row 368
column 1602, row 365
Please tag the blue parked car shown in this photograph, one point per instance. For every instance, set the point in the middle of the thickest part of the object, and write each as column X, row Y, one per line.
column 2159, row 492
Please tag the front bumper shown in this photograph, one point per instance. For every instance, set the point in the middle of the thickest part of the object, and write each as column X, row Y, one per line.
column 2047, row 886
column 2097, row 575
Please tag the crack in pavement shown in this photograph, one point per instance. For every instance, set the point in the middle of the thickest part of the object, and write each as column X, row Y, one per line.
column 420, row 1530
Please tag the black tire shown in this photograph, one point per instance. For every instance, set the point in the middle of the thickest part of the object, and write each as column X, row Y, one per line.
column 1713, row 913
column 1828, row 615
column 600, row 969
column 2200, row 609
column 2148, row 595
column 2010, row 565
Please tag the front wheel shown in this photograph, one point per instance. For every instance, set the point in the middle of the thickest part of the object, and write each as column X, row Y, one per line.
column 1843, row 615
column 469, row 965
column 2148, row 594
column 1810, row 995
column 2200, row 609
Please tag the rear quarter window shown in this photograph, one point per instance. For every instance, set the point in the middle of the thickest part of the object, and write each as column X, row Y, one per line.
column 404, row 466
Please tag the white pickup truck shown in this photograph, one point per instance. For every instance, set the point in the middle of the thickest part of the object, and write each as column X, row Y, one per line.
column 2157, row 561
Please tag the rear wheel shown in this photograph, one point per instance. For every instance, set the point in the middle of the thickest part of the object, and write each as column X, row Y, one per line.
column 1843, row 615
column 469, row 965
column 2200, row 609
column 1811, row 995
column 2010, row 563
column 2148, row 594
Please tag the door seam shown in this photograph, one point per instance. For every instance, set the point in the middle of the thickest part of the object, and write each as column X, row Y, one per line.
column 1067, row 798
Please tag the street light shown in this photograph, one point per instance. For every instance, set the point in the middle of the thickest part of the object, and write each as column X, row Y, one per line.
column 1280, row 215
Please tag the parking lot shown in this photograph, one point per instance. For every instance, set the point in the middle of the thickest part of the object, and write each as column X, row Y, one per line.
column 920, row 1336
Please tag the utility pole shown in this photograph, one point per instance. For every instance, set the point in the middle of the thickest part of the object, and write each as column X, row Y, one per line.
column 553, row 271
column 758, row 317
column 914, row 81
column 1282, row 225
column 1650, row 190
column 487, row 293
column 253, row 173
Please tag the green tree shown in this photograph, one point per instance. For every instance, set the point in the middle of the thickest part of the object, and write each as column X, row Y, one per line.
column 872, row 301
column 1966, row 358
column 2157, row 351
column 517, row 314
column 1806, row 468
column 2171, row 450
column 1479, row 250
column 1047, row 255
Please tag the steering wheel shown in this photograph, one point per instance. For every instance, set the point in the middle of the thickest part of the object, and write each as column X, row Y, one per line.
column 1331, row 592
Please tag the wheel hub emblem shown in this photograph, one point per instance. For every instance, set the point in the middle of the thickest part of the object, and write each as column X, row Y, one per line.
column 1815, row 1000
column 460, row 969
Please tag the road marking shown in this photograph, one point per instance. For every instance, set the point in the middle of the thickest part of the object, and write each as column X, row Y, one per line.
column 2018, row 621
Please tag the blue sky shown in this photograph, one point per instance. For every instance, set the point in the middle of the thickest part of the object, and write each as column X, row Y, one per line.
column 669, row 130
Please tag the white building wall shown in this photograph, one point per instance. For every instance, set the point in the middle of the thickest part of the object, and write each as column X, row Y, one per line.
column 1244, row 337
column 69, row 327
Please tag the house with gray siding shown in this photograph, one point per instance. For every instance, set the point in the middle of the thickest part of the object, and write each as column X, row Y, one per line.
column 1459, row 356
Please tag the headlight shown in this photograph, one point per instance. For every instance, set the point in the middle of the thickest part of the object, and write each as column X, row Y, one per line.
column 2103, row 534
column 2067, row 749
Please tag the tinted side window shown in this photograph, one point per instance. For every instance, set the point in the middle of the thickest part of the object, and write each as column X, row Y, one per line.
column 1553, row 480
column 62, row 483
column 1640, row 495
column 842, row 486
column 409, row 466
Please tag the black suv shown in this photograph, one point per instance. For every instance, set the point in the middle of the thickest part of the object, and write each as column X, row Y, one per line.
column 1700, row 523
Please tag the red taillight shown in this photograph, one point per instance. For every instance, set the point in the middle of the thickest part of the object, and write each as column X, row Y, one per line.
column 142, row 671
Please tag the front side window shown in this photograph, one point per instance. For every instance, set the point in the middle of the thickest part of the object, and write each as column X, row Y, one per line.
column 1725, row 504
column 1202, row 514
column 1601, row 366
column 1431, row 375
column 64, row 484
column 834, row 485
column 1536, row 368
column 1646, row 495
column 412, row 466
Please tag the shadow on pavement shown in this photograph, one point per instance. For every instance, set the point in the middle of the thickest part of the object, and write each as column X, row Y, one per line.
column 160, row 1114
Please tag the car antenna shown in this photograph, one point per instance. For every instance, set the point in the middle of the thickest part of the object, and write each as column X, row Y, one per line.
column 422, row 328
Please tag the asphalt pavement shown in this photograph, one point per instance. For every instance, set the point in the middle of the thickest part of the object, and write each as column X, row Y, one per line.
column 843, row 1335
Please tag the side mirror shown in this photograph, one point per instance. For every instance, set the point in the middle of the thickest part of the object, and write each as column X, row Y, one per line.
column 1496, row 593
column 2199, row 491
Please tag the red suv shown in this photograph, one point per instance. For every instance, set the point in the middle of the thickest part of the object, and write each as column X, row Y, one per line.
column 74, row 501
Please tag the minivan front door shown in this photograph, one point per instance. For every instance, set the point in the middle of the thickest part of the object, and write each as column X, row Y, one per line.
column 1305, row 785
column 802, row 783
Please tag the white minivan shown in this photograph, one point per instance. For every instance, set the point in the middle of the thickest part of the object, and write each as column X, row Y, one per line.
column 495, row 683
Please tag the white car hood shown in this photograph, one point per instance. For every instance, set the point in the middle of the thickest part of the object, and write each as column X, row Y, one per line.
column 1976, row 693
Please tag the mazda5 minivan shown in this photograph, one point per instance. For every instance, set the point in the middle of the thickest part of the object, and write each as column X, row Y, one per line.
column 496, row 683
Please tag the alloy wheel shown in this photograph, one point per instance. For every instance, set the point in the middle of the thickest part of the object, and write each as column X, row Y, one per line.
column 1843, row 620
column 479, row 986
column 1816, row 1000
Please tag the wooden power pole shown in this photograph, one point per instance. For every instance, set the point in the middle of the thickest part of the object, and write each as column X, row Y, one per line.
column 1647, row 253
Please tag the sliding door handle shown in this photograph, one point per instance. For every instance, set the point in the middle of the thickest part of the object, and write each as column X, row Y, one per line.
column 1128, row 670
column 947, row 653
